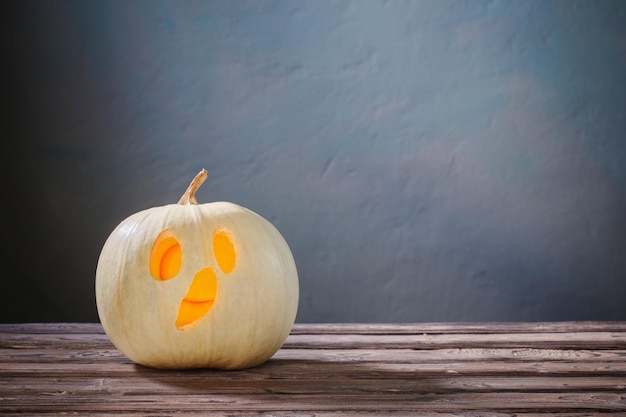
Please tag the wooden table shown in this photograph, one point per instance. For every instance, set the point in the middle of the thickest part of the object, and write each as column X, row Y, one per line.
column 573, row 368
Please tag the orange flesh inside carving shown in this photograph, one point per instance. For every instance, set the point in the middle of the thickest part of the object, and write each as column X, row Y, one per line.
column 224, row 250
column 166, row 257
column 199, row 299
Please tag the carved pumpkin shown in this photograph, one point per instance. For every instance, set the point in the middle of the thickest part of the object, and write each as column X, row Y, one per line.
column 193, row 285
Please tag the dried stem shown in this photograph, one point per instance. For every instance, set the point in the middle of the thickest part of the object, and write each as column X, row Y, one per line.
column 190, row 194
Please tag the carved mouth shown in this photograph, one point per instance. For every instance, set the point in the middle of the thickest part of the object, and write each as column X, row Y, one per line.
column 199, row 300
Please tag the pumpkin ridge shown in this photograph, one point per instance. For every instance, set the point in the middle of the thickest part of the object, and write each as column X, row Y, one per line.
column 122, row 265
column 270, row 230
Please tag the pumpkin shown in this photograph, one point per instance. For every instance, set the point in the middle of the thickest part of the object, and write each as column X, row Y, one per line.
column 193, row 285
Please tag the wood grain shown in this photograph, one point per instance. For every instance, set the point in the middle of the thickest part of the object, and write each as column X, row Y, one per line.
column 432, row 369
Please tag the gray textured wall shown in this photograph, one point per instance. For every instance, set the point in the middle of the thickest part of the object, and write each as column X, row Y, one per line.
column 426, row 160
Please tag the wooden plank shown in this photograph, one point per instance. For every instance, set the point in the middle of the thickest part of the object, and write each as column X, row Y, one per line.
column 591, row 340
column 54, row 341
column 364, row 328
column 359, row 413
column 511, row 355
column 163, row 384
column 332, row 401
column 453, row 328
column 51, row 328
column 316, row 413
column 278, row 368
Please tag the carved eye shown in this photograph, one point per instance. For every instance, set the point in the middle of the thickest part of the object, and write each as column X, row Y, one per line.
column 166, row 256
column 224, row 250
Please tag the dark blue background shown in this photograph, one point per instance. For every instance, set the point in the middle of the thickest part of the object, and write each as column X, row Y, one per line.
column 425, row 160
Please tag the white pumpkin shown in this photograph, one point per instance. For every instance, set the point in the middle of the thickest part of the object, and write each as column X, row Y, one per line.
column 193, row 285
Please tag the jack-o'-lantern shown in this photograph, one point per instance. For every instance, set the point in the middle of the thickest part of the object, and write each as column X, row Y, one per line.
column 193, row 285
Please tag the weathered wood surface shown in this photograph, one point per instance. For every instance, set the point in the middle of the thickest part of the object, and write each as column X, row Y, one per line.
column 439, row 369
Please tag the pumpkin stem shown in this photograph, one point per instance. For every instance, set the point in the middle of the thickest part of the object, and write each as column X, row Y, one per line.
column 190, row 194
